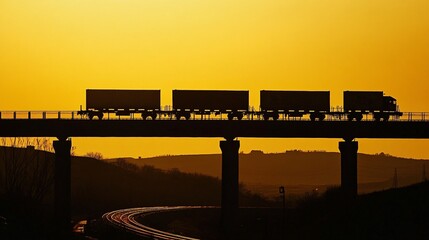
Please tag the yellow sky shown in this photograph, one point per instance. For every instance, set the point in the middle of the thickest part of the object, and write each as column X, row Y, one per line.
column 52, row 50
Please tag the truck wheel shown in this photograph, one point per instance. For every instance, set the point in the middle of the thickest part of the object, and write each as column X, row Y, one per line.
column 230, row 116
column 266, row 117
column 359, row 117
column 275, row 117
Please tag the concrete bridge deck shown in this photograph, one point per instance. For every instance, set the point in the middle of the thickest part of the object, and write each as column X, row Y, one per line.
column 213, row 128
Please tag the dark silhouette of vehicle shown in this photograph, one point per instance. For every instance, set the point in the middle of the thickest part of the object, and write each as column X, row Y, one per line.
column 294, row 104
column 358, row 103
column 122, row 103
column 235, row 104
column 205, row 102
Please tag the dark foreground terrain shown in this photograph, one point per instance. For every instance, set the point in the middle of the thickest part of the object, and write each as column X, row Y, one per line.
column 27, row 201
column 392, row 214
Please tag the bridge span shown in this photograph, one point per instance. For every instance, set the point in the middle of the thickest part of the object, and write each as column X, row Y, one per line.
column 61, row 127
column 64, row 128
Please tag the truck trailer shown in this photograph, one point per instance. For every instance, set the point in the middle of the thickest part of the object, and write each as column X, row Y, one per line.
column 294, row 104
column 234, row 103
column 122, row 102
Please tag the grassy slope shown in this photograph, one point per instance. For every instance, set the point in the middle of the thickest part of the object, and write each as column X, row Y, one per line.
column 98, row 186
column 392, row 214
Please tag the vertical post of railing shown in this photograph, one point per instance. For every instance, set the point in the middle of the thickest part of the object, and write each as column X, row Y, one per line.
column 59, row 115
column 29, row 115
column 72, row 115
column 44, row 115
column 0, row 115
column 14, row 115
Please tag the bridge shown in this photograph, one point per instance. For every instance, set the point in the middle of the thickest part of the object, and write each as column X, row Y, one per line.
column 66, row 124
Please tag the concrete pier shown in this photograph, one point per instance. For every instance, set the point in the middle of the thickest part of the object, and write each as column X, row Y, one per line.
column 229, row 202
column 62, row 188
column 349, row 183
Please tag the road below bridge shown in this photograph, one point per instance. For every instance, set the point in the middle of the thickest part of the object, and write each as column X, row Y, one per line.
column 127, row 219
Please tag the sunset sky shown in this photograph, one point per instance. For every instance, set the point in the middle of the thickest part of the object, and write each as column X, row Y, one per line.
column 51, row 51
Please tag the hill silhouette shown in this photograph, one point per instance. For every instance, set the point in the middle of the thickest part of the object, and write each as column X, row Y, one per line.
column 299, row 171
column 97, row 187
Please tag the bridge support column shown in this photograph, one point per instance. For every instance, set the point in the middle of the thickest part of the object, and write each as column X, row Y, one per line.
column 349, row 182
column 62, row 189
column 229, row 202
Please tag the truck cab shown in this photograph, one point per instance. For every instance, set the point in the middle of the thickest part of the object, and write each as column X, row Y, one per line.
column 389, row 104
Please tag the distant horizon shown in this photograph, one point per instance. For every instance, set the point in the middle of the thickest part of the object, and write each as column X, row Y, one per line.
column 250, row 152
column 81, row 148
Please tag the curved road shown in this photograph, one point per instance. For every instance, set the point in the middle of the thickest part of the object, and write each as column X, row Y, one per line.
column 126, row 218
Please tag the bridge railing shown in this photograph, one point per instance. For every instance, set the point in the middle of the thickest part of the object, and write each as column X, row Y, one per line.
column 39, row 115
column 255, row 116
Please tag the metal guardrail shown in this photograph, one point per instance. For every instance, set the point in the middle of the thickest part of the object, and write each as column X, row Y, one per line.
column 73, row 115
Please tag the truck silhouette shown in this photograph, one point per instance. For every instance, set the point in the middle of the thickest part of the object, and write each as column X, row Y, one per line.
column 235, row 104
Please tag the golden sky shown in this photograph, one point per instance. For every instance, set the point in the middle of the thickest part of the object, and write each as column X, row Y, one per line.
column 52, row 50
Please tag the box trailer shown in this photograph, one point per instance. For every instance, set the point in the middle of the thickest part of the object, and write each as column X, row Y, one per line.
column 363, row 101
column 294, row 103
column 235, row 103
column 122, row 102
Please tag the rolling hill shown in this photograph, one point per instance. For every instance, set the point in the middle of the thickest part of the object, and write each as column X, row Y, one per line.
column 299, row 171
column 99, row 185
